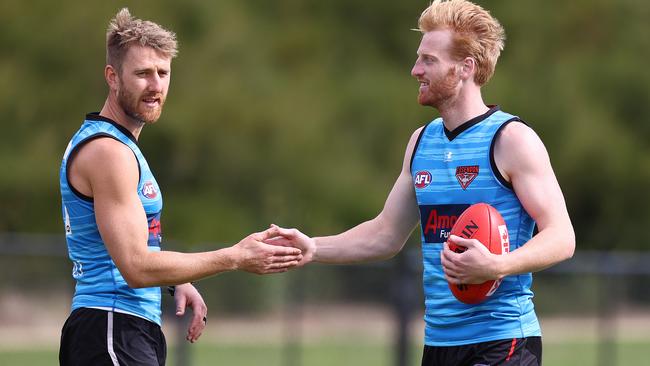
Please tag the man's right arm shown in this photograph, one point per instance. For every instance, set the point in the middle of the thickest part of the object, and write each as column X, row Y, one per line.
column 108, row 171
column 376, row 239
column 385, row 235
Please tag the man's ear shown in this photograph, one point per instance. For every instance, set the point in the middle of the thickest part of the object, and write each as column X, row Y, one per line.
column 112, row 78
column 468, row 68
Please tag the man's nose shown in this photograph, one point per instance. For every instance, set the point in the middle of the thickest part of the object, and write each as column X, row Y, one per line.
column 417, row 70
column 155, row 83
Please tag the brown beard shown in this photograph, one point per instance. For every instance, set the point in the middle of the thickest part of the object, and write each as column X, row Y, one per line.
column 440, row 91
column 130, row 103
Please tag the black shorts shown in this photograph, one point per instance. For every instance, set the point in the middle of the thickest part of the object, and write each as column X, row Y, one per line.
column 506, row 352
column 99, row 337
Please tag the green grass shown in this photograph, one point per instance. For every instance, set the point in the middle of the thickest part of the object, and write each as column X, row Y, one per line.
column 320, row 355
column 342, row 354
column 585, row 354
column 29, row 357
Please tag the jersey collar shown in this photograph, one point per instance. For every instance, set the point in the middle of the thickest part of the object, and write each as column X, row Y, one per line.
column 466, row 125
column 94, row 116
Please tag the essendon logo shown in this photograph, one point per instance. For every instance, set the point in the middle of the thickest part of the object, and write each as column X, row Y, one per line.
column 422, row 179
column 437, row 221
column 155, row 230
column 466, row 175
column 149, row 190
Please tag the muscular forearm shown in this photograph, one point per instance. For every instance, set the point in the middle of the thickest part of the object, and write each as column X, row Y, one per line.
column 366, row 242
column 547, row 248
column 143, row 268
column 172, row 268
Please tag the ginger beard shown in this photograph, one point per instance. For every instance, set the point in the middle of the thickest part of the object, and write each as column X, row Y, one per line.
column 441, row 90
column 146, row 108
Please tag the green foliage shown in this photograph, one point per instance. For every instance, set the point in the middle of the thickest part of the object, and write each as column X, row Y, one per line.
column 298, row 112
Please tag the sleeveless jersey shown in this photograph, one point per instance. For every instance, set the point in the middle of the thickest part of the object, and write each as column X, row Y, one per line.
column 99, row 284
column 451, row 171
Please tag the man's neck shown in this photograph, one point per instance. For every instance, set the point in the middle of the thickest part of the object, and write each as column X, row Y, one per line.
column 462, row 109
column 113, row 111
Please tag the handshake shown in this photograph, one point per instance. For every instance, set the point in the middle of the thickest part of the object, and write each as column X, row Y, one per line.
column 274, row 250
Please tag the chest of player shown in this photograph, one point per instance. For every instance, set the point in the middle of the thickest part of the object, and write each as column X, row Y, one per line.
column 456, row 171
column 449, row 175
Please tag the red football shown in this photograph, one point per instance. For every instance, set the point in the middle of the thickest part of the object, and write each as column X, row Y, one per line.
column 483, row 223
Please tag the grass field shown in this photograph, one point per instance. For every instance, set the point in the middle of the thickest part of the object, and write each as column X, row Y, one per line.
column 342, row 354
column 338, row 335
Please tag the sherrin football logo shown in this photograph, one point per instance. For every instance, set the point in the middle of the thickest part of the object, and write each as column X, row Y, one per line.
column 505, row 239
column 149, row 190
column 505, row 248
column 422, row 179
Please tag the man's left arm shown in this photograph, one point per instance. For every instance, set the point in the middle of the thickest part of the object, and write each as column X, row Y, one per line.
column 523, row 160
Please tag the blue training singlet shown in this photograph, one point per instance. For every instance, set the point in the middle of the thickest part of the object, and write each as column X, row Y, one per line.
column 99, row 283
column 452, row 170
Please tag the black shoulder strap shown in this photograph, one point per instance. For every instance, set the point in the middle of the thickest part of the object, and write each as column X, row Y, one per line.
column 493, row 162
column 417, row 143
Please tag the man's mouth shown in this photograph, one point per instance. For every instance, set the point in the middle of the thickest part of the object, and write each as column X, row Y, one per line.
column 151, row 102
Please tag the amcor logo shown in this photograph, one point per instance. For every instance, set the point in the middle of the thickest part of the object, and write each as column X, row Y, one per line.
column 437, row 221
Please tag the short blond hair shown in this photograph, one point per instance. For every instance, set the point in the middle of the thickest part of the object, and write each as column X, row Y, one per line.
column 476, row 33
column 125, row 30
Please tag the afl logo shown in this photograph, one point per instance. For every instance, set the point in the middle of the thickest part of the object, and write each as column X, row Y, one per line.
column 149, row 190
column 422, row 179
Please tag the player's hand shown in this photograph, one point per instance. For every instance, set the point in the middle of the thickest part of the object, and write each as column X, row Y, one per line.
column 295, row 238
column 473, row 266
column 186, row 296
column 252, row 254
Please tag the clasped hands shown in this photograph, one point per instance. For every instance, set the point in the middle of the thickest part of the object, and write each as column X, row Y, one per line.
column 274, row 250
